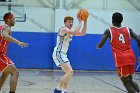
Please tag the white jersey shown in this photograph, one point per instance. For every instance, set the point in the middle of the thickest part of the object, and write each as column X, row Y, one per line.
column 63, row 42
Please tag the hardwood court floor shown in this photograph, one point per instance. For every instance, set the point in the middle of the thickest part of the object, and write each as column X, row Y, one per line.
column 44, row 81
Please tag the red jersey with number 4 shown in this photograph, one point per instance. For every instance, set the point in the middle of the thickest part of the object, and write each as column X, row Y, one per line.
column 3, row 43
column 121, row 46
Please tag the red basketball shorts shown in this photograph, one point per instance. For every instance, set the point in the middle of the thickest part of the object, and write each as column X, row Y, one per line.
column 4, row 62
column 126, row 70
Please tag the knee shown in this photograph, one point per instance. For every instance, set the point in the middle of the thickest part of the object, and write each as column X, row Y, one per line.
column 15, row 73
column 127, row 84
column 125, row 80
column 70, row 72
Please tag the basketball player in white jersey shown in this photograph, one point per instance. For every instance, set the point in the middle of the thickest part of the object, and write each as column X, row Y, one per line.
column 60, row 51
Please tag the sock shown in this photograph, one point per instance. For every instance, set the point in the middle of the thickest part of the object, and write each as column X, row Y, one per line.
column 59, row 88
column 64, row 90
column 11, row 92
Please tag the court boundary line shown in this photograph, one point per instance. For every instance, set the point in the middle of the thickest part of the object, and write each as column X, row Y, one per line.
column 110, row 84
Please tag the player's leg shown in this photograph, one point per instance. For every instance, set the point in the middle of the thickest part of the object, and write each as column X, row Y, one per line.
column 134, row 84
column 62, row 61
column 123, row 73
column 127, row 84
column 66, row 67
column 62, row 86
column 14, row 78
column 4, row 76
column 58, row 89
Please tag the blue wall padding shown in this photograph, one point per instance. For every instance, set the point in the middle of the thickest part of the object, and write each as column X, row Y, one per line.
column 82, row 53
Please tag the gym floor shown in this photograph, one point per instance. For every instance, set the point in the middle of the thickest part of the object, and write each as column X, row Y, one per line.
column 44, row 81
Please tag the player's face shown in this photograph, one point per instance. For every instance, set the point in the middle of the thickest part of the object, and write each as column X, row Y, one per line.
column 69, row 23
column 12, row 21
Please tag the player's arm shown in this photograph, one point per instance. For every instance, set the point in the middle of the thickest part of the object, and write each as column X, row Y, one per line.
column 104, row 38
column 80, row 23
column 84, row 27
column 136, row 37
column 6, row 36
column 76, row 32
column 84, row 30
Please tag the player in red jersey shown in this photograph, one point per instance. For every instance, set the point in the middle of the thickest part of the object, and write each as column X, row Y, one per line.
column 6, row 65
column 124, row 57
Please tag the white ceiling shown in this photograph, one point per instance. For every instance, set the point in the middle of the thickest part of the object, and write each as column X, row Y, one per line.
column 89, row 4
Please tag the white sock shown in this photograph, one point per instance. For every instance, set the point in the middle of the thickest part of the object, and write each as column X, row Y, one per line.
column 59, row 88
column 64, row 90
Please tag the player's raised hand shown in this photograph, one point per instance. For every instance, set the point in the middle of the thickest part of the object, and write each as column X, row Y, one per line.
column 22, row 44
column 78, row 17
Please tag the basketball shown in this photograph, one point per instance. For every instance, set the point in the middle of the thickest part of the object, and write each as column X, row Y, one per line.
column 83, row 14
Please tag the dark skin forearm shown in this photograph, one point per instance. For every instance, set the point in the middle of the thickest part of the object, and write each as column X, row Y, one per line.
column 136, row 37
column 104, row 38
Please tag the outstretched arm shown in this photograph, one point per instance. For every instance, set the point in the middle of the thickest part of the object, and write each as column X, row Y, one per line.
column 104, row 38
column 6, row 35
column 136, row 37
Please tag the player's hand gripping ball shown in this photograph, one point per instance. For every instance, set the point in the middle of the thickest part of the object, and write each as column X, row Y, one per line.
column 83, row 14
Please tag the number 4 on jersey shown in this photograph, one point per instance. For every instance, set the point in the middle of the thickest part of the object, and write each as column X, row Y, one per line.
column 121, row 38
